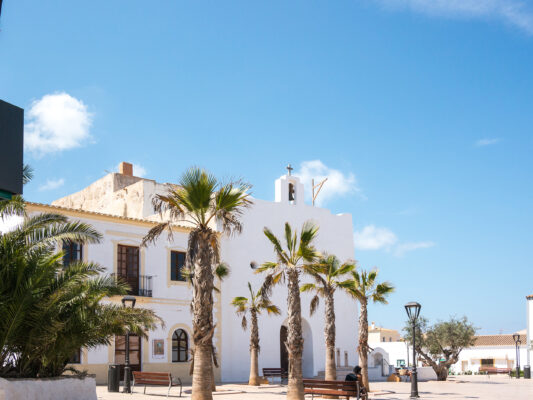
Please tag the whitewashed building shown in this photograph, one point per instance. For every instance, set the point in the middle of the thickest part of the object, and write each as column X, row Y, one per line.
column 497, row 351
column 119, row 206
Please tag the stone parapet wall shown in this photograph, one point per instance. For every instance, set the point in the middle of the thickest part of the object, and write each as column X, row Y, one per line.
column 61, row 388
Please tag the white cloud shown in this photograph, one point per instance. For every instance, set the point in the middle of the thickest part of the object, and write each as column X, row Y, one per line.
column 374, row 238
column 52, row 184
column 487, row 141
column 338, row 184
column 139, row 170
column 403, row 248
column 515, row 12
column 56, row 122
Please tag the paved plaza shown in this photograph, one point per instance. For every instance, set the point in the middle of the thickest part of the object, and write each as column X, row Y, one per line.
column 463, row 387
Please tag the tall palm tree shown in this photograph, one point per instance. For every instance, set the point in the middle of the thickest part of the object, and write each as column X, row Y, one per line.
column 327, row 273
column 363, row 287
column 254, row 305
column 291, row 261
column 204, row 202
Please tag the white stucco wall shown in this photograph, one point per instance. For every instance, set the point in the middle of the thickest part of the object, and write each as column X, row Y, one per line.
column 335, row 236
column 504, row 357
column 392, row 352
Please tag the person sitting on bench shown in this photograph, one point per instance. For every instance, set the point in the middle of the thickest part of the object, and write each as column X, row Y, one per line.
column 357, row 376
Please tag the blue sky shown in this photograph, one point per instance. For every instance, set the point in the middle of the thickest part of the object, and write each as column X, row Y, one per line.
column 419, row 111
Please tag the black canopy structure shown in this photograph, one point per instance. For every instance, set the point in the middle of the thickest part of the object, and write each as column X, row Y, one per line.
column 11, row 161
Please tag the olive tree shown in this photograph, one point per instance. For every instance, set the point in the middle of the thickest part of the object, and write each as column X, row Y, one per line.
column 441, row 343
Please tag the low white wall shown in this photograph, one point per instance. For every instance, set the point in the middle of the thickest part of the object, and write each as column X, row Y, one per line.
column 62, row 388
column 426, row 374
column 375, row 375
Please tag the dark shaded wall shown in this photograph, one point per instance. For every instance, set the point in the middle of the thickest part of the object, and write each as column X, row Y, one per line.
column 11, row 147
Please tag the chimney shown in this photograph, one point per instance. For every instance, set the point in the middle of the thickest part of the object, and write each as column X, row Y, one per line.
column 125, row 168
column 373, row 326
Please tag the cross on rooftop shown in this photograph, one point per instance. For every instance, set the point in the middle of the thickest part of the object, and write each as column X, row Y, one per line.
column 289, row 168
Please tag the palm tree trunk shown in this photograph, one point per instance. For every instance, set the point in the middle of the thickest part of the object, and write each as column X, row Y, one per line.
column 202, row 306
column 254, row 351
column 295, row 390
column 363, row 343
column 329, row 333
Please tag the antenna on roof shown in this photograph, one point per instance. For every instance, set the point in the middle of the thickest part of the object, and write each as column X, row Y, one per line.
column 319, row 186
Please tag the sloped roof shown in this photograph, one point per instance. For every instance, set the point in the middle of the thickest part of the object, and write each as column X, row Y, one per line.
column 494, row 340
column 89, row 213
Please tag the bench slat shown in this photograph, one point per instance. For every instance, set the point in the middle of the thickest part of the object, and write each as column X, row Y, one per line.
column 336, row 392
column 152, row 378
column 151, row 373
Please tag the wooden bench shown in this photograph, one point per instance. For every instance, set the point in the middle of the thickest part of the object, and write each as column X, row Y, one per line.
column 154, row 378
column 495, row 370
column 274, row 373
column 335, row 388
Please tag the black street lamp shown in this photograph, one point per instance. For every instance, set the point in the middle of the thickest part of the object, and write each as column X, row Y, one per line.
column 126, row 300
column 516, row 338
column 413, row 311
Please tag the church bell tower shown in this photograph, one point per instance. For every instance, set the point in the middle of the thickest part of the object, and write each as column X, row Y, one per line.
column 289, row 189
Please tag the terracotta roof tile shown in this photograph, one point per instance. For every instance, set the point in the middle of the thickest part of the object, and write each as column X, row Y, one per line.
column 494, row 340
column 79, row 210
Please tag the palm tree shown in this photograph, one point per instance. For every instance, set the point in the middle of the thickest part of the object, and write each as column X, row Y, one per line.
column 290, row 262
column 50, row 310
column 326, row 274
column 363, row 287
column 253, row 305
column 204, row 202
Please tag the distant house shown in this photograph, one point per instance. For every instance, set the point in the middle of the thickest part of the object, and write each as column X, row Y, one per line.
column 378, row 334
column 491, row 351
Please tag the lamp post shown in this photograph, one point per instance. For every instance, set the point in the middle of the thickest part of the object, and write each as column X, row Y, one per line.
column 516, row 338
column 127, row 369
column 413, row 311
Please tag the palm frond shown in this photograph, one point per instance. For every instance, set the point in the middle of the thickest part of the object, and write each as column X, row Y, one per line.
column 266, row 266
column 222, row 271
column 308, row 287
column 315, row 301
column 13, row 207
column 27, row 174
column 272, row 309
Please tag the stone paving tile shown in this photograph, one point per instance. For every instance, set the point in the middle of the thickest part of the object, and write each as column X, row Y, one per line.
column 456, row 388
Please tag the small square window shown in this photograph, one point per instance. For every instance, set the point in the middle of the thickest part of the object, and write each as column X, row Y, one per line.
column 75, row 358
column 71, row 252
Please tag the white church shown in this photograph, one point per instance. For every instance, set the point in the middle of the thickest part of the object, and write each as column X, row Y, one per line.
column 119, row 207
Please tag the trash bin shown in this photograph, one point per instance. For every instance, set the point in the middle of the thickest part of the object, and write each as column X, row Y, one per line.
column 527, row 372
column 113, row 378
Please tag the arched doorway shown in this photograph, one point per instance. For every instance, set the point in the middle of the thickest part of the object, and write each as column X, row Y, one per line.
column 378, row 359
column 307, row 355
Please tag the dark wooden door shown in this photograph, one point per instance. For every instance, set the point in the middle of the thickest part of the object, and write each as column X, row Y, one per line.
column 128, row 267
column 135, row 353
column 283, row 353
